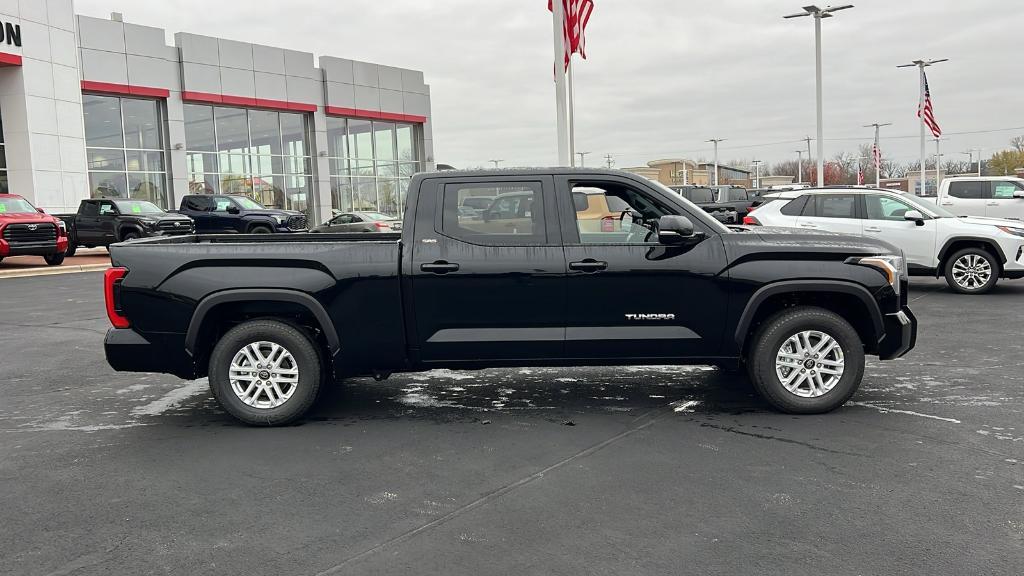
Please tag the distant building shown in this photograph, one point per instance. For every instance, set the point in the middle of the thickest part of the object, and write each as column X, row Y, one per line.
column 679, row 171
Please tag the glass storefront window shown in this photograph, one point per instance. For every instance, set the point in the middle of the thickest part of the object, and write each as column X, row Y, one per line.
column 371, row 163
column 4, row 187
column 263, row 154
column 125, row 148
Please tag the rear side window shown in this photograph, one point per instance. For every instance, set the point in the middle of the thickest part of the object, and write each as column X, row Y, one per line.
column 514, row 213
column 700, row 195
column 968, row 189
column 836, row 206
column 198, row 203
column 795, row 207
column 90, row 209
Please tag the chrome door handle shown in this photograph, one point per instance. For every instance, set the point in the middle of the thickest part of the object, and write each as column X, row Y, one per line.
column 808, row 225
column 872, row 229
column 947, row 203
column 993, row 204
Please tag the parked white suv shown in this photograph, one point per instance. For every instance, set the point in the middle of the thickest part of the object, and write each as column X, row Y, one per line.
column 972, row 253
column 990, row 196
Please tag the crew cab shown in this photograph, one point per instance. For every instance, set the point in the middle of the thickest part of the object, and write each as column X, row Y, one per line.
column 103, row 221
column 238, row 214
column 270, row 319
column 28, row 231
column 972, row 253
column 988, row 196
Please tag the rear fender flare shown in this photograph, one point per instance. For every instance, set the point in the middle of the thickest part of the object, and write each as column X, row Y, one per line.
column 773, row 289
column 262, row 295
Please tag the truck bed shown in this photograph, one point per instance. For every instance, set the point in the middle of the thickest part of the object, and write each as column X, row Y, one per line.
column 270, row 238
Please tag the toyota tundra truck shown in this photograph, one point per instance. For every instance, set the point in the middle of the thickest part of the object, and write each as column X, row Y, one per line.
column 28, row 231
column 270, row 319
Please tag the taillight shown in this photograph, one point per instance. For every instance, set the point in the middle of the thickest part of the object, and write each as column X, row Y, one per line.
column 749, row 220
column 112, row 296
column 381, row 225
column 607, row 224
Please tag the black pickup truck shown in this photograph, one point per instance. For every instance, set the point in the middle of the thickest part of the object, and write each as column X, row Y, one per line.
column 704, row 198
column 537, row 283
column 238, row 214
column 103, row 221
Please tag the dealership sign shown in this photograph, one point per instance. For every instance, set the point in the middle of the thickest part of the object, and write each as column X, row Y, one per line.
column 10, row 33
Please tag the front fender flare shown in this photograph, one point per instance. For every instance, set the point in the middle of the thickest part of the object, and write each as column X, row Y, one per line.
column 262, row 295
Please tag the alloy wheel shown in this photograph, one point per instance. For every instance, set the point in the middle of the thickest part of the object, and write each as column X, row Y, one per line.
column 972, row 271
column 809, row 363
column 263, row 374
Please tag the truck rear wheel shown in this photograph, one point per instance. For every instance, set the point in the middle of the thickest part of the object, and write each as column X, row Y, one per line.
column 265, row 372
column 806, row 360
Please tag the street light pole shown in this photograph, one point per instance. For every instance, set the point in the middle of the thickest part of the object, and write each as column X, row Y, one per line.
column 496, row 162
column 921, row 65
column 716, row 141
column 757, row 173
column 878, row 151
column 799, row 166
column 581, row 155
column 818, row 14
column 938, row 165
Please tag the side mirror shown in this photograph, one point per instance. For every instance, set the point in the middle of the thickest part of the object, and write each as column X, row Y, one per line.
column 914, row 216
column 40, row 210
column 233, row 210
column 674, row 229
column 1018, row 193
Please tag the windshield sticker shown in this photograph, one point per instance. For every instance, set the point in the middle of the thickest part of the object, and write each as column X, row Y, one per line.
column 136, row 209
column 3, row 207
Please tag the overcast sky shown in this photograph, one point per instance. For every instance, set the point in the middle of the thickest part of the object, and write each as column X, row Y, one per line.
column 663, row 76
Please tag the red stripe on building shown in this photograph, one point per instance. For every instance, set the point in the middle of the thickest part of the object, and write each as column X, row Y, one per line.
column 9, row 59
column 124, row 89
column 247, row 102
column 375, row 115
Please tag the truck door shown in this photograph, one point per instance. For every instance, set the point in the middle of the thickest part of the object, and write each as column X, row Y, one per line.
column 200, row 209
column 1007, row 201
column 87, row 223
column 483, row 290
column 106, row 222
column 966, row 197
column 628, row 296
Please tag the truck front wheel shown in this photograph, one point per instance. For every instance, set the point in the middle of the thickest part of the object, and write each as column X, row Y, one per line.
column 54, row 259
column 265, row 372
column 806, row 360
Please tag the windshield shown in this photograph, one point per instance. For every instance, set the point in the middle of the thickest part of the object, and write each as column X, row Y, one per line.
column 929, row 209
column 15, row 206
column 734, row 195
column 138, row 207
column 248, row 203
column 697, row 212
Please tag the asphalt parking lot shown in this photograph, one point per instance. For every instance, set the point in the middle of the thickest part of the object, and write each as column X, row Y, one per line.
column 651, row 470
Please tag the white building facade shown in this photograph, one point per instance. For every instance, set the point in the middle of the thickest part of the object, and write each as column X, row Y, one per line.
column 91, row 107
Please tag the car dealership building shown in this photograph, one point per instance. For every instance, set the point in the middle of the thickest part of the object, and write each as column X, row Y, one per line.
column 97, row 107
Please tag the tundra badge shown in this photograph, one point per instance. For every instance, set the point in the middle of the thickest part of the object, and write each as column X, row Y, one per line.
column 650, row 316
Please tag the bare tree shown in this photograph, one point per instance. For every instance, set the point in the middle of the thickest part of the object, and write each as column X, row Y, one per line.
column 1018, row 143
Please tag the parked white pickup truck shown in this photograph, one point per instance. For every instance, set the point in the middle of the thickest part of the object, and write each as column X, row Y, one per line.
column 989, row 196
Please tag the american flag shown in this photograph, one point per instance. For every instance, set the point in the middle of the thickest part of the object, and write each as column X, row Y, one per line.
column 876, row 154
column 576, row 15
column 925, row 110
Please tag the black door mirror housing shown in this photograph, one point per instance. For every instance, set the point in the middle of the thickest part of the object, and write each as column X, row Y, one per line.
column 233, row 210
column 674, row 229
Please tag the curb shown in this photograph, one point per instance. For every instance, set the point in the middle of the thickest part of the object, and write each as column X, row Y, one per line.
column 53, row 271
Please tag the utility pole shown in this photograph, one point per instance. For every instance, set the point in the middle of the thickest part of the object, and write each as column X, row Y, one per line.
column 496, row 162
column 818, row 14
column 581, row 155
column 878, row 151
column 921, row 65
column 799, row 166
column 757, row 173
column 938, row 165
column 609, row 161
column 716, row 141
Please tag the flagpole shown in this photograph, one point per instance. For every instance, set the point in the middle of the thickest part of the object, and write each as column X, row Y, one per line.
column 561, row 114
column 572, row 117
column 924, row 175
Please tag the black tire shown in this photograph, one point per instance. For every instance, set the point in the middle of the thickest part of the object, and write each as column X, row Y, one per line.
column 72, row 248
column 54, row 259
column 773, row 335
column 307, row 360
column 994, row 267
column 260, row 230
column 129, row 235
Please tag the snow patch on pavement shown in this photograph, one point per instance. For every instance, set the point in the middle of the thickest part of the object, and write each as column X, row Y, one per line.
column 172, row 399
column 684, row 405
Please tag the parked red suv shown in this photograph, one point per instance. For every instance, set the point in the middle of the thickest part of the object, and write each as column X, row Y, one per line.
column 27, row 231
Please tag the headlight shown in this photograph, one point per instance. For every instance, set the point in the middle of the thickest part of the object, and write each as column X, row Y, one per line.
column 281, row 219
column 62, row 225
column 891, row 266
column 1014, row 231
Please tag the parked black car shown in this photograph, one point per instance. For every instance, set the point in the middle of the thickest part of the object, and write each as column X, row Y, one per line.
column 238, row 214
column 104, row 221
column 270, row 319
column 704, row 197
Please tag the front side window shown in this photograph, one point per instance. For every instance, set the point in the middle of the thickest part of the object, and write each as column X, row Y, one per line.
column 125, row 148
column 1005, row 189
column 836, row 206
column 514, row 216
column 885, row 208
column 968, row 189
column 261, row 154
column 107, row 208
column 222, row 203
column 371, row 163
column 615, row 214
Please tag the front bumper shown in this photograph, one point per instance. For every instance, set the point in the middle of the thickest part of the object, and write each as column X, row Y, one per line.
column 900, row 334
column 33, row 248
